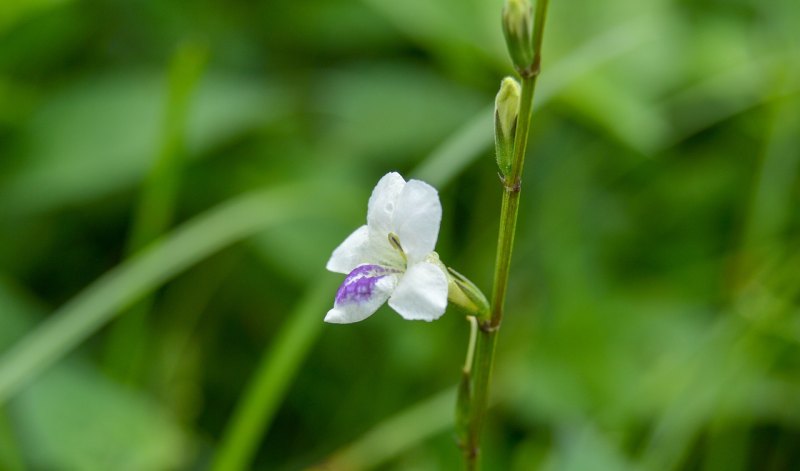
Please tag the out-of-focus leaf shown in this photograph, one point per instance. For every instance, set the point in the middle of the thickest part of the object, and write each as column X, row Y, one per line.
column 15, row 10
column 395, row 434
column 390, row 112
column 301, row 249
column 100, row 135
column 585, row 448
column 73, row 418
column 92, row 308
column 42, row 39
column 447, row 24
column 729, row 92
column 10, row 456
column 622, row 114
column 19, row 100
column 278, row 366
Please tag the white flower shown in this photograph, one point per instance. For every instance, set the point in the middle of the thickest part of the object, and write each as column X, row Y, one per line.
column 391, row 257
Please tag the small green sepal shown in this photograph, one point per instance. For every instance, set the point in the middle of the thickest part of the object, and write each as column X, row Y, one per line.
column 466, row 295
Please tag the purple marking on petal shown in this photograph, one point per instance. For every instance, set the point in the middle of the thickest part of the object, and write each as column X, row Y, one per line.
column 360, row 283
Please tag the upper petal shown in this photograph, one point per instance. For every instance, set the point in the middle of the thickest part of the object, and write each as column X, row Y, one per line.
column 383, row 203
column 416, row 219
column 421, row 293
column 364, row 290
column 350, row 253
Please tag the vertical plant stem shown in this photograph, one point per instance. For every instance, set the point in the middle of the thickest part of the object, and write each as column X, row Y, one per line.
column 512, row 184
column 10, row 457
column 487, row 333
column 127, row 345
column 277, row 368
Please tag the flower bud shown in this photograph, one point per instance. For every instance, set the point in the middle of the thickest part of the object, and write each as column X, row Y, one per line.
column 466, row 295
column 518, row 30
column 506, row 111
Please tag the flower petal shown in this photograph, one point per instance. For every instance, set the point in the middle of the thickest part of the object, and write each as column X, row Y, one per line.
column 416, row 219
column 383, row 203
column 421, row 293
column 364, row 290
column 350, row 253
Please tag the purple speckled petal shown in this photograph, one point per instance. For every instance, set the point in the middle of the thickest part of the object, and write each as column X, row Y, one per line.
column 364, row 290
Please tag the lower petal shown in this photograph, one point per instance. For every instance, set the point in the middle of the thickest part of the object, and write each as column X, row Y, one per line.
column 364, row 290
column 422, row 293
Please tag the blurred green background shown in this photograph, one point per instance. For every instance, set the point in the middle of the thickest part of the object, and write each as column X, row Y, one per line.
column 174, row 176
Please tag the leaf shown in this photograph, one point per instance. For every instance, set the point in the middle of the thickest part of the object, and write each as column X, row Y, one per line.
column 391, row 112
column 586, row 448
column 101, row 134
column 15, row 11
column 73, row 418
column 278, row 367
column 100, row 301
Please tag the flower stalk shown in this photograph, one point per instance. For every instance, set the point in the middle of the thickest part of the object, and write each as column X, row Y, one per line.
column 474, row 390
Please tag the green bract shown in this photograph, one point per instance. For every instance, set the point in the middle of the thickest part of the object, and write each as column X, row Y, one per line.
column 506, row 111
column 518, row 30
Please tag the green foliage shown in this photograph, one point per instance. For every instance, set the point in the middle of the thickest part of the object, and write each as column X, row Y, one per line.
column 73, row 417
column 652, row 310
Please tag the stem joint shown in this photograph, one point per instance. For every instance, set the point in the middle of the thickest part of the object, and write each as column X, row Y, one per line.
column 489, row 327
column 514, row 186
column 532, row 70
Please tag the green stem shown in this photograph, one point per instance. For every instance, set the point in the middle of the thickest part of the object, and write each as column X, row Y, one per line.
column 278, row 366
column 512, row 184
column 93, row 307
column 127, row 346
column 10, row 457
column 487, row 334
column 479, row 396
column 394, row 436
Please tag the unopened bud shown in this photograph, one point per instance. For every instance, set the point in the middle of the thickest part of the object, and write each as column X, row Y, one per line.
column 466, row 295
column 506, row 111
column 518, row 29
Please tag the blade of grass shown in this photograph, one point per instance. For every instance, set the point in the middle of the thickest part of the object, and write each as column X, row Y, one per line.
column 396, row 434
column 737, row 90
column 278, row 366
column 126, row 344
column 717, row 366
column 772, row 204
column 102, row 300
column 10, row 459
column 400, row 432
column 174, row 351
